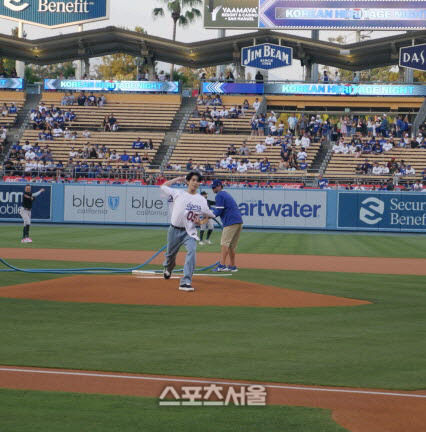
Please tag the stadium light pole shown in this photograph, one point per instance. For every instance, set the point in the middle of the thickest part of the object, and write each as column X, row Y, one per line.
column 19, row 65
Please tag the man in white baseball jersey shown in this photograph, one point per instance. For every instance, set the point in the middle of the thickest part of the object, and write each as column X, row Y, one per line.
column 189, row 207
column 25, row 212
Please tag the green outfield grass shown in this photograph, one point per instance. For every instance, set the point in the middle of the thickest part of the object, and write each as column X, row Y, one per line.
column 23, row 411
column 95, row 237
column 377, row 346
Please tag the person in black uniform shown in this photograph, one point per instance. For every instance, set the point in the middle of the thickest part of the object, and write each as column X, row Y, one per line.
column 209, row 225
column 25, row 211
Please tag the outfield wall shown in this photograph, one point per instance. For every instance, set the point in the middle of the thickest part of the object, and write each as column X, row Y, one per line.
column 261, row 208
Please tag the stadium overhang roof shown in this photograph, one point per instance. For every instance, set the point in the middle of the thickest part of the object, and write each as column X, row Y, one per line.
column 109, row 40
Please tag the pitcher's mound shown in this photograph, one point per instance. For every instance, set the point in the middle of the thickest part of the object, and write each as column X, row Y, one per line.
column 133, row 290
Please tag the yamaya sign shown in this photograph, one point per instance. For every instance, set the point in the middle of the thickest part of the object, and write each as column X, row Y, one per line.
column 54, row 13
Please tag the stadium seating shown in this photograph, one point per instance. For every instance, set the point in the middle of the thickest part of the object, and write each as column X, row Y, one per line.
column 120, row 141
column 133, row 112
column 18, row 98
column 343, row 166
column 358, row 103
column 203, row 148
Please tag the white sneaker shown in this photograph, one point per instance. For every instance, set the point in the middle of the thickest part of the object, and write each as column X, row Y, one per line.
column 201, row 243
column 186, row 287
column 208, row 242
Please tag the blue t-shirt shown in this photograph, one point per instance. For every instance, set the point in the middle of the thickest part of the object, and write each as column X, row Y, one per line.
column 227, row 209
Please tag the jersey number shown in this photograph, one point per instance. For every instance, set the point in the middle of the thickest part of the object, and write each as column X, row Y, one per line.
column 191, row 216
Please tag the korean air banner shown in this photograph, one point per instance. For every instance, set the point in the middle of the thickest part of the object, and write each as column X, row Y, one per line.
column 12, row 83
column 390, row 211
column 309, row 14
column 112, row 86
column 11, row 200
column 54, row 13
column 274, row 208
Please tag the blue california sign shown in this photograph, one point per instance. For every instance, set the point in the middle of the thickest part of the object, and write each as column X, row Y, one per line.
column 413, row 57
column 266, row 56
column 54, row 13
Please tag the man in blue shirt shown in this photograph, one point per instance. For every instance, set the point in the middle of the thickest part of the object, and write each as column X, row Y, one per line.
column 232, row 222
column 322, row 182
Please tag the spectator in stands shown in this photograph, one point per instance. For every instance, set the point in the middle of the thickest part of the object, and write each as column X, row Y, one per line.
column 81, row 100
column 229, row 77
column 269, row 140
column 410, row 170
column 272, row 119
column 101, row 100
column 265, row 165
column 259, row 78
column 113, row 125
column 325, row 77
column 114, row 156
column 262, row 125
column 203, row 125
column 39, row 122
column 244, row 150
column 105, row 124
column 91, row 100
column 260, row 148
column 366, row 167
column 57, row 131
column 302, row 155
column 231, row 150
column 292, row 123
column 322, row 182
column 355, row 79
column 13, row 109
column 417, row 186
column 5, row 110
column 67, row 134
column 254, row 126
column 377, row 169
column 124, row 157
column 256, row 104
column 189, row 165
column 387, row 146
column 377, row 148
column 306, row 141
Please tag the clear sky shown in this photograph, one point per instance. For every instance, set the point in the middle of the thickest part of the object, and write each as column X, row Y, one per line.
column 131, row 13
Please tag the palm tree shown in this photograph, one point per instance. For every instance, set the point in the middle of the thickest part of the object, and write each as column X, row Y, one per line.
column 182, row 12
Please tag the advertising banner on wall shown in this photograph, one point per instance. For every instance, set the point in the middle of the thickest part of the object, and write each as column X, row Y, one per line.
column 388, row 211
column 266, row 56
column 413, row 57
column 12, row 83
column 312, row 14
column 294, row 88
column 232, row 88
column 276, row 208
column 11, row 200
column 54, row 13
column 112, row 86
column 345, row 89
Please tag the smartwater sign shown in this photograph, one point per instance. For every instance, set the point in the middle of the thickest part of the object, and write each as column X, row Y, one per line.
column 112, row 86
column 11, row 201
column 389, row 211
column 54, row 13
column 278, row 208
column 413, row 57
column 266, row 56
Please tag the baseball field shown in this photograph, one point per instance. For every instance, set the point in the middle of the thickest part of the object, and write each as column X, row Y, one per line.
column 332, row 325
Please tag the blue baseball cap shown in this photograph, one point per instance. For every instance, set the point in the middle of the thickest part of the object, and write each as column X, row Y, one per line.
column 215, row 183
